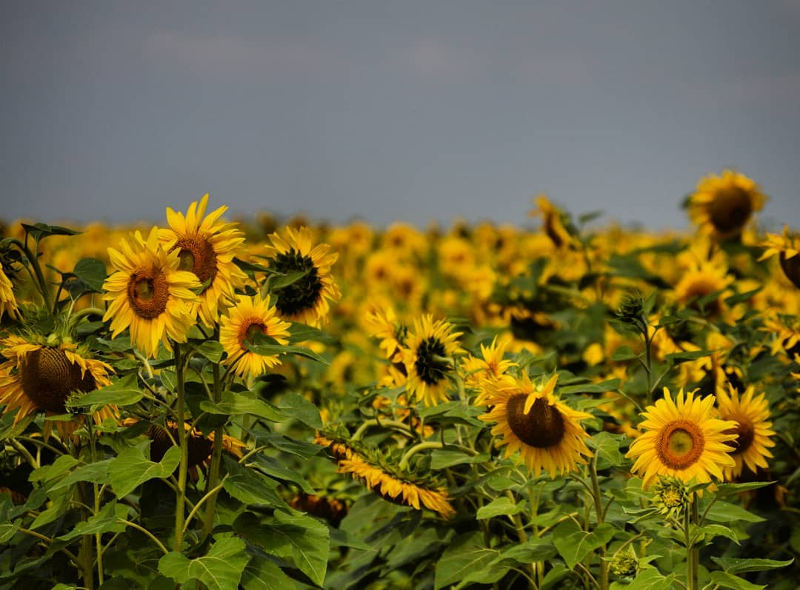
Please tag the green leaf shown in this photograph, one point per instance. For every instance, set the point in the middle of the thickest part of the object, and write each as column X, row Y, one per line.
column 727, row 512
column 234, row 404
column 296, row 406
column 607, row 446
column 131, row 468
column 123, row 392
column 302, row 333
column 602, row 387
column 465, row 555
column 211, row 349
column 736, row 488
column 220, row 569
column 283, row 280
column 94, row 472
column 688, row 355
column 7, row 531
column 41, row 230
column 534, row 549
column 734, row 565
column 92, row 273
column 301, row 540
column 250, row 487
column 263, row 574
column 451, row 413
column 279, row 349
column 574, row 544
column 275, row 468
column 108, row 520
column 441, row 458
column 502, row 506
column 58, row 467
column 717, row 530
column 726, row 580
column 647, row 579
column 624, row 353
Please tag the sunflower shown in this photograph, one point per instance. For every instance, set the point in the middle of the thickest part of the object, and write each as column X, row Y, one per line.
column 307, row 299
column 722, row 205
column 553, row 222
column 682, row 438
column 484, row 372
column 251, row 316
column 206, row 247
column 8, row 304
column 431, row 345
column 148, row 293
column 704, row 276
column 36, row 377
column 787, row 247
column 753, row 429
column 397, row 489
column 532, row 420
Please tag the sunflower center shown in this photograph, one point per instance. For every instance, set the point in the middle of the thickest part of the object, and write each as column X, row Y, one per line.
column 148, row 293
column 730, row 209
column 48, row 377
column 700, row 288
column 680, row 445
column 541, row 427
column 791, row 268
column 160, row 442
column 197, row 256
column 429, row 365
column 745, row 433
column 304, row 293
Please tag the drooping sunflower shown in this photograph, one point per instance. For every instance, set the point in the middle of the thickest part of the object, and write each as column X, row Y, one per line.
column 206, row 247
column 430, row 345
column 753, row 429
column 36, row 377
column 307, row 299
column 149, row 294
column 8, row 303
column 396, row 489
column 722, row 205
column 787, row 248
column 251, row 316
column 682, row 438
column 532, row 420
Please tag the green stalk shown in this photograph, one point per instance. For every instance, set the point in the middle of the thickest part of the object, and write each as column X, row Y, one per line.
column 692, row 556
column 96, row 492
column 216, row 459
column 598, row 508
column 180, row 504
column 415, row 449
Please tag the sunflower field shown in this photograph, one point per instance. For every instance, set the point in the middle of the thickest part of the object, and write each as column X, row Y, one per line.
column 225, row 404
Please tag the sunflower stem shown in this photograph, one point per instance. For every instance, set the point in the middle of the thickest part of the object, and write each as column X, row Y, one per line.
column 692, row 557
column 598, row 508
column 180, row 504
column 415, row 449
column 96, row 492
column 216, row 459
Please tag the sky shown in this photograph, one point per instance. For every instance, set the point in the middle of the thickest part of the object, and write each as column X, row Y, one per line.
column 408, row 110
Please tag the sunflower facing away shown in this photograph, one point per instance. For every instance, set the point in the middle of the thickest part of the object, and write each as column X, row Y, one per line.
column 430, row 345
column 307, row 299
column 787, row 247
column 148, row 293
column 530, row 419
column 722, row 205
column 682, row 438
column 37, row 378
column 8, row 304
column 206, row 247
column 753, row 429
column 251, row 316
column 552, row 222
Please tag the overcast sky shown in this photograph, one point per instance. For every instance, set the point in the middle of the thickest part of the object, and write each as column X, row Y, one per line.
column 394, row 110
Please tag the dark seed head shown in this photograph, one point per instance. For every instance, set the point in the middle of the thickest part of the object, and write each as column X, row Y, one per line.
column 48, row 377
column 430, row 369
column 730, row 209
column 304, row 293
column 541, row 427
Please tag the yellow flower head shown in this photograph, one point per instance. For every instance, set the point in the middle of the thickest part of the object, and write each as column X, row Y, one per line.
column 553, row 222
column 307, row 299
column 148, row 294
column 36, row 378
column 8, row 304
column 531, row 420
column 753, row 429
column 787, row 248
column 206, row 247
column 251, row 316
column 428, row 359
column 722, row 205
column 682, row 438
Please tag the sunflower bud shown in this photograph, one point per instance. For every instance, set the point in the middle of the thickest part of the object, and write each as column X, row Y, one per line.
column 631, row 311
column 671, row 496
column 624, row 565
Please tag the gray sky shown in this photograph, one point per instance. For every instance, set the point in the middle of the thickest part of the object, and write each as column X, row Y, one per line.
column 403, row 110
